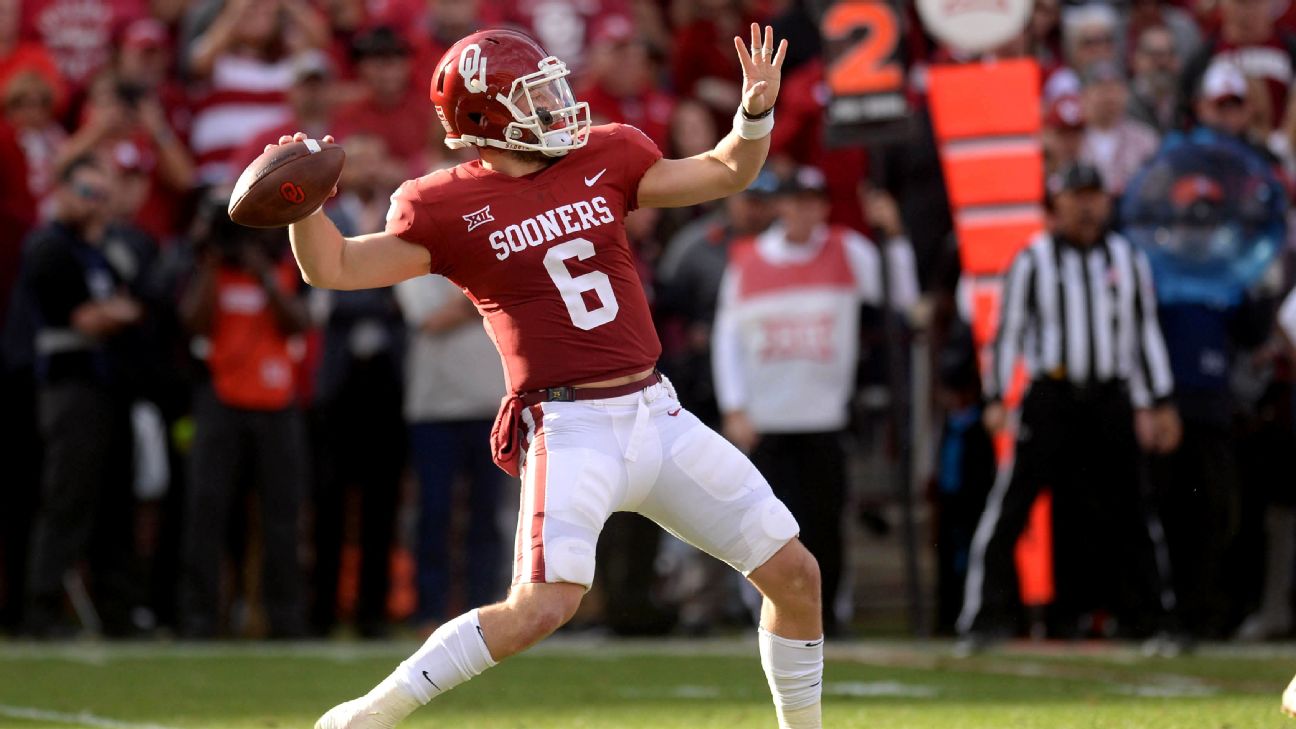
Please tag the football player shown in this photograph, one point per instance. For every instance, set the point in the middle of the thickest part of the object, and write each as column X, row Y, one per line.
column 534, row 233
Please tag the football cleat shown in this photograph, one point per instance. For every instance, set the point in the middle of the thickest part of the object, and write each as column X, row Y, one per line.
column 355, row 714
column 382, row 708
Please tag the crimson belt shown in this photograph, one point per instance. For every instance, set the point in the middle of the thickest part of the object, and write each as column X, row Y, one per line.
column 571, row 394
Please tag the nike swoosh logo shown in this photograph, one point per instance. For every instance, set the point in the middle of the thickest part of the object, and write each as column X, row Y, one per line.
column 589, row 181
column 812, row 645
column 429, row 680
column 480, row 634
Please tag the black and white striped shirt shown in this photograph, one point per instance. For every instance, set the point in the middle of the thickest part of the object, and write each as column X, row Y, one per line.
column 1086, row 315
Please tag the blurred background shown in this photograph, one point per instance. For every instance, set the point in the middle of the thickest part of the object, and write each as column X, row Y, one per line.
column 196, row 444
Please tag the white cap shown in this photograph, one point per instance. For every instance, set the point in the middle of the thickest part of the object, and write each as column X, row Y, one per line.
column 1223, row 80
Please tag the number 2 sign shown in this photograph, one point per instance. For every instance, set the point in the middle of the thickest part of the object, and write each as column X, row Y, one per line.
column 865, row 72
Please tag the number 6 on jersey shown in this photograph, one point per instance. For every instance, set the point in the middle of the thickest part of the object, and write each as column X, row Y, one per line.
column 572, row 288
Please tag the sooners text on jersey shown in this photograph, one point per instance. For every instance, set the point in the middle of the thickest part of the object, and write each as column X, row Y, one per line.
column 544, row 257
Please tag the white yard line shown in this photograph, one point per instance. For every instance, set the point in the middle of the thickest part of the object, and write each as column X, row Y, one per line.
column 84, row 718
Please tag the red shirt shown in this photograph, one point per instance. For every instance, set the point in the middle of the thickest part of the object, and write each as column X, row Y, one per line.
column 405, row 126
column 79, row 34
column 250, row 363
column 701, row 51
column 649, row 111
column 544, row 257
column 17, row 211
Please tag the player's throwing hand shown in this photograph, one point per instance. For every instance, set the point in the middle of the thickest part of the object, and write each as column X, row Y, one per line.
column 762, row 70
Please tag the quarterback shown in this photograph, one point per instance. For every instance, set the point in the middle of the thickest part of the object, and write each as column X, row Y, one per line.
column 533, row 231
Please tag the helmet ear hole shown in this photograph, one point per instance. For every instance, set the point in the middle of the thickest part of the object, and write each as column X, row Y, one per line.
column 477, row 118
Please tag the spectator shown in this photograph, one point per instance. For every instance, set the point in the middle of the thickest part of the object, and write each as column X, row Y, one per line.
column 1114, row 143
column 17, row 210
column 1089, row 36
column 1197, row 487
column 693, row 131
column 786, row 344
column 242, row 309
column 1064, row 132
column 1044, row 34
column 1096, row 394
column 78, row 33
column 1248, row 39
column 621, row 85
column 911, row 172
column 360, row 431
column 309, row 101
column 392, row 108
column 1145, row 15
column 445, row 22
column 454, row 384
column 689, row 275
column 1152, row 98
column 246, row 59
column 146, row 60
column 367, row 180
column 127, row 125
column 86, row 507
column 702, row 65
column 563, row 27
column 29, row 110
column 798, row 138
column 1222, row 102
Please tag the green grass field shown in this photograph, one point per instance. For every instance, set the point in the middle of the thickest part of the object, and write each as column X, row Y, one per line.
column 576, row 683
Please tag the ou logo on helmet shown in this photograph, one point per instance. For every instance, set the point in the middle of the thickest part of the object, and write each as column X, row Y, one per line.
column 472, row 66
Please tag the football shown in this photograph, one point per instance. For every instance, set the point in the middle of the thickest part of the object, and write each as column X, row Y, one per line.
column 286, row 184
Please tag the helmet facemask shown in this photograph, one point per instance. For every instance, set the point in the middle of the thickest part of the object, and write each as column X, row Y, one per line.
column 547, row 117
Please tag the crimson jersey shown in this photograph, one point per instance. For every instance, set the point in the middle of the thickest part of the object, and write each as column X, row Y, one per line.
column 544, row 257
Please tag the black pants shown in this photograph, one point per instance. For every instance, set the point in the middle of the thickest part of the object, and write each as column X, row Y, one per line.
column 361, row 437
column 808, row 473
column 229, row 443
column 1196, row 493
column 20, row 445
column 87, row 508
column 1079, row 443
column 956, row 512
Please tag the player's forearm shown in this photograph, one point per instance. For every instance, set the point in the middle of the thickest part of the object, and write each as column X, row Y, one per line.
column 743, row 158
column 318, row 246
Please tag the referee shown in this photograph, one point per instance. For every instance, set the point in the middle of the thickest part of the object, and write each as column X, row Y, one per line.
column 1079, row 309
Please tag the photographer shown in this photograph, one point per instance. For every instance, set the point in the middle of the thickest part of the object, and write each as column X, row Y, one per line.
column 242, row 310
column 81, row 309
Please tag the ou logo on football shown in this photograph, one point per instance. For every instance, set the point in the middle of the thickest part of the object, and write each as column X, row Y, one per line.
column 472, row 66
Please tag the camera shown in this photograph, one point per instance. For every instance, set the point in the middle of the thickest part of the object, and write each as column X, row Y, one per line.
column 130, row 94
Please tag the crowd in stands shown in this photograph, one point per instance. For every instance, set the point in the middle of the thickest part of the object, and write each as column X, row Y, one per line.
column 178, row 406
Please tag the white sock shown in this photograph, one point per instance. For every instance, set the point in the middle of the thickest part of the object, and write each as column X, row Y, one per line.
column 453, row 654
column 794, row 669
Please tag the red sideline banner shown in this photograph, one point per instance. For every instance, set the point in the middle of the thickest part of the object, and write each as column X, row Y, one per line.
column 987, row 121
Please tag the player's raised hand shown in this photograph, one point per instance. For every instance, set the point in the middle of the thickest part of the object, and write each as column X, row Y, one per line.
column 762, row 69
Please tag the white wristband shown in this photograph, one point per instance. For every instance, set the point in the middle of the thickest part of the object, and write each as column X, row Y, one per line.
column 753, row 128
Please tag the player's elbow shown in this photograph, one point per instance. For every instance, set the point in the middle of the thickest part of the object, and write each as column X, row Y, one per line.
column 740, row 180
column 316, row 278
